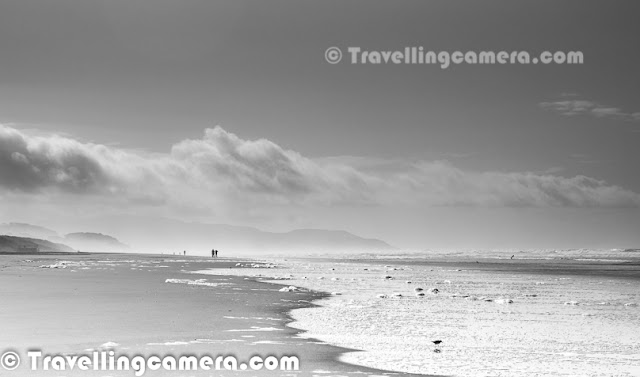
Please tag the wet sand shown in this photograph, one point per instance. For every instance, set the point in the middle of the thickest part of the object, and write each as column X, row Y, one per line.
column 124, row 301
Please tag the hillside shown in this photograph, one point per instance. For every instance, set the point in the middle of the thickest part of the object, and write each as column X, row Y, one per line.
column 162, row 235
column 95, row 242
column 22, row 245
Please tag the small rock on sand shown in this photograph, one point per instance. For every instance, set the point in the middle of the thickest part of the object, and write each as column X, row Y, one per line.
column 573, row 303
column 434, row 291
column 382, row 296
column 504, row 301
column 418, row 289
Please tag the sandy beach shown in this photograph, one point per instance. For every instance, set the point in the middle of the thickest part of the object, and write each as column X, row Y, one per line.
column 145, row 305
column 356, row 316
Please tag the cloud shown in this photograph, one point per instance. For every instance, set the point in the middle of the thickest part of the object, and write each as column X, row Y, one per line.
column 223, row 171
column 584, row 107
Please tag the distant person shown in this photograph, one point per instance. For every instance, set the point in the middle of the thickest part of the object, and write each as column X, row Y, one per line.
column 213, row 253
column 216, row 253
column 184, row 252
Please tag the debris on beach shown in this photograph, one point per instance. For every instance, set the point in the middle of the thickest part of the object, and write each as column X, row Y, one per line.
column 434, row 291
column 290, row 288
column 397, row 294
column 418, row 289
column 109, row 345
column 504, row 301
column 62, row 264
column 408, row 282
column 388, row 277
column 202, row 282
column 630, row 304
column 573, row 303
column 382, row 296
column 420, row 294
column 336, row 294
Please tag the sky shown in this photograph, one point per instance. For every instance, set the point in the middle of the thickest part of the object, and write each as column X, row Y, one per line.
column 227, row 112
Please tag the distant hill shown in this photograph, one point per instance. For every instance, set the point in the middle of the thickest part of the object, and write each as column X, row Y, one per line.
column 95, row 242
column 27, row 230
column 89, row 242
column 162, row 235
column 320, row 240
column 18, row 245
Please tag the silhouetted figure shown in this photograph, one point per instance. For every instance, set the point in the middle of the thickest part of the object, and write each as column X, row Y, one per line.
column 437, row 343
column 184, row 252
column 513, row 256
column 216, row 253
column 213, row 253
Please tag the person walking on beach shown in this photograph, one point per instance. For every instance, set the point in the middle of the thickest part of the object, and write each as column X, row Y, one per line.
column 213, row 253
column 184, row 252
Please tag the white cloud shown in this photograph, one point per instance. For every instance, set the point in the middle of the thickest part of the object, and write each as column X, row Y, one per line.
column 584, row 107
column 223, row 171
